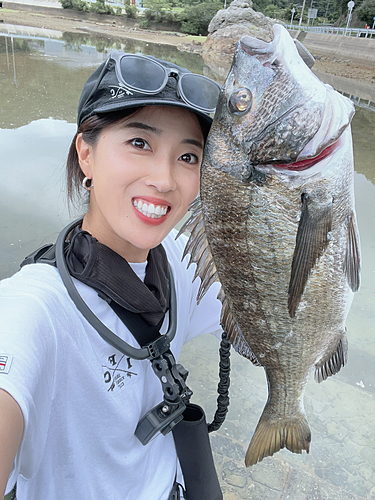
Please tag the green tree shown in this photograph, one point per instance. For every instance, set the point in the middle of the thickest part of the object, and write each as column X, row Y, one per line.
column 366, row 11
column 195, row 19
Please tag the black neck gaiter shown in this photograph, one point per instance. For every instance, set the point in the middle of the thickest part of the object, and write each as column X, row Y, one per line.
column 108, row 273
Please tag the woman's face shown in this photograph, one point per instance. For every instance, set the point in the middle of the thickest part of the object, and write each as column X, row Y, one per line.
column 145, row 172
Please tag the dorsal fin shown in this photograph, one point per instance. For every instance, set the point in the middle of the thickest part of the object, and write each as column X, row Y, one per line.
column 200, row 253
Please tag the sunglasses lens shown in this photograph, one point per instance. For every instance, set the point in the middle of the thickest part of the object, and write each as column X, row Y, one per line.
column 200, row 91
column 142, row 74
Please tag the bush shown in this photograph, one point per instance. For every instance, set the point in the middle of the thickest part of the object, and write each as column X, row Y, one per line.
column 131, row 11
column 66, row 4
column 144, row 24
column 80, row 5
column 195, row 19
column 75, row 5
column 100, row 7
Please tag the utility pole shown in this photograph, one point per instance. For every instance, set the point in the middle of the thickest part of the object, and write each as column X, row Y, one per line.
column 325, row 16
column 291, row 20
column 300, row 19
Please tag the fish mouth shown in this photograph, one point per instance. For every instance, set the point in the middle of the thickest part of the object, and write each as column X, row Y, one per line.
column 298, row 166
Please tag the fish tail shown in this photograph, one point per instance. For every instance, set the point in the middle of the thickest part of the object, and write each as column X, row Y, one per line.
column 271, row 435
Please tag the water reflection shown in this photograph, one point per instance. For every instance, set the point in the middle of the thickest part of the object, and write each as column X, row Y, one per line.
column 40, row 84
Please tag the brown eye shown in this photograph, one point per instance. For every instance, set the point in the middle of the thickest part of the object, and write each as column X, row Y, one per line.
column 140, row 143
column 240, row 101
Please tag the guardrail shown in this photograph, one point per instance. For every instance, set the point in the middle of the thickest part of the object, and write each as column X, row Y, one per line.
column 330, row 30
column 359, row 101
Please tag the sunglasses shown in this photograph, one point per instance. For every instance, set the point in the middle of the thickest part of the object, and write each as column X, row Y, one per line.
column 146, row 76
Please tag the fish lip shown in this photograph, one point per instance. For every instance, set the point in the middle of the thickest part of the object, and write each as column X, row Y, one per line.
column 307, row 163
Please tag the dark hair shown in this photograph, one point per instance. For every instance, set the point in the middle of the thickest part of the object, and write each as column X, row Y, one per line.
column 90, row 130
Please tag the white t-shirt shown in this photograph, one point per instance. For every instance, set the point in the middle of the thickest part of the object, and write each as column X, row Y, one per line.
column 81, row 398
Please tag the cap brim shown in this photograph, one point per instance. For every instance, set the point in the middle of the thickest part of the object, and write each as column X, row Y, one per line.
column 136, row 103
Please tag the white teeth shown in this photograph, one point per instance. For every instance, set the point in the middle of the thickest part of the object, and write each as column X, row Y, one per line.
column 152, row 211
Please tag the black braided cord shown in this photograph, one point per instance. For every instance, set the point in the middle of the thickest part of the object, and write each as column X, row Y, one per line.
column 223, row 386
column 14, row 491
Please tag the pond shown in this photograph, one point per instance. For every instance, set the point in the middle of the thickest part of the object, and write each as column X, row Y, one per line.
column 40, row 84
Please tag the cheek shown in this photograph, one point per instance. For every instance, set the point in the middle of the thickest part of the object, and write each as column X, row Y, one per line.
column 192, row 185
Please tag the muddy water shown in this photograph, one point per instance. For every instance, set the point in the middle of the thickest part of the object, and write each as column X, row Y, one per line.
column 40, row 84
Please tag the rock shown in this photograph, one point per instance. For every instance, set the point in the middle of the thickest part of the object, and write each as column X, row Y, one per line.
column 226, row 29
column 239, row 12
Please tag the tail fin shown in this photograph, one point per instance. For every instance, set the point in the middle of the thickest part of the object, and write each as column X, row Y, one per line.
column 271, row 435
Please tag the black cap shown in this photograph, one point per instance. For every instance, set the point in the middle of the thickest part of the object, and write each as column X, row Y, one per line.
column 102, row 93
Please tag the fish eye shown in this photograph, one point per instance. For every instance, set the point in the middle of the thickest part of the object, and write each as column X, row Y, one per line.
column 240, row 101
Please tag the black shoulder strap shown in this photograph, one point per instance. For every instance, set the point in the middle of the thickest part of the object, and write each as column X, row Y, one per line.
column 143, row 332
column 43, row 255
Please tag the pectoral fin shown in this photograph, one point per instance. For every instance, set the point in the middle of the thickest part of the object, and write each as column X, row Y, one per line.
column 352, row 264
column 312, row 239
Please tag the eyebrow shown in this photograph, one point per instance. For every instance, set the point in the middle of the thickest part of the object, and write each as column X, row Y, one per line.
column 194, row 142
column 143, row 126
column 158, row 131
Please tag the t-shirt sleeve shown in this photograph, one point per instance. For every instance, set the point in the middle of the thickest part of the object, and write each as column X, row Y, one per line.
column 27, row 354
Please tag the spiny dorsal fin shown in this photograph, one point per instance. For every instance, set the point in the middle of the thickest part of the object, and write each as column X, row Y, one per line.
column 352, row 264
column 312, row 239
column 200, row 253
column 198, row 248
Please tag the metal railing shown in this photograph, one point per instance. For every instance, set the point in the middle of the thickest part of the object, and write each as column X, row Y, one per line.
column 331, row 30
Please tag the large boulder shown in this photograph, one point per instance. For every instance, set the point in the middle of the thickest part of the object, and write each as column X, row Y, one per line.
column 224, row 31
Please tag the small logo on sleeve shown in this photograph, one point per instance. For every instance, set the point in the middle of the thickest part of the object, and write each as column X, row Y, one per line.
column 5, row 363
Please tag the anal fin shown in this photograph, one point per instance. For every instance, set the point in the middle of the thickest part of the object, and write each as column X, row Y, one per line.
column 332, row 362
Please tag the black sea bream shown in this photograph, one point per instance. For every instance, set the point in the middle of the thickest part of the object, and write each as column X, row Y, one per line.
column 276, row 226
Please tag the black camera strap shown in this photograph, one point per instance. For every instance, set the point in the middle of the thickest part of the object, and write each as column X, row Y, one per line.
column 154, row 347
column 191, row 435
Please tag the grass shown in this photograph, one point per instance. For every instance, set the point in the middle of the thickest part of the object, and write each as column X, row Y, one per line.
column 196, row 38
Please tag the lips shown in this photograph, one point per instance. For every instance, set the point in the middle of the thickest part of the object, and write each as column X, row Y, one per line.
column 150, row 211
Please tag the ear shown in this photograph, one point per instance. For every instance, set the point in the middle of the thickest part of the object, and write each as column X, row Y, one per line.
column 85, row 155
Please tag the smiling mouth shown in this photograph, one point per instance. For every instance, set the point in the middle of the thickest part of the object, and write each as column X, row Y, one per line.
column 150, row 210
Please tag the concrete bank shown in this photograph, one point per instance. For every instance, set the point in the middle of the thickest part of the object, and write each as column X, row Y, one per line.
column 361, row 50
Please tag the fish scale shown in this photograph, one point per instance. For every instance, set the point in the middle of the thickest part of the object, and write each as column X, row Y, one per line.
column 275, row 225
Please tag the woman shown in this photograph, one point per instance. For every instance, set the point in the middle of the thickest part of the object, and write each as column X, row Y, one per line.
column 70, row 402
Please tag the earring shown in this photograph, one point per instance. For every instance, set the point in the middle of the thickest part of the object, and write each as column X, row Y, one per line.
column 84, row 184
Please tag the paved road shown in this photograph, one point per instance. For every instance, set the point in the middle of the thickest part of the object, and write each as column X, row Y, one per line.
column 42, row 3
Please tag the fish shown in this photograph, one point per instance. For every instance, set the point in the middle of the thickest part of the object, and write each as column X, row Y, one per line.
column 275, row 225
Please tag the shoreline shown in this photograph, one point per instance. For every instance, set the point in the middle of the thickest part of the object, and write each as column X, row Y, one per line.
column 65, row 20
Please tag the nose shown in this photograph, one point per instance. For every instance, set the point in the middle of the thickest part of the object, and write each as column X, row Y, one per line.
column 162, row 175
